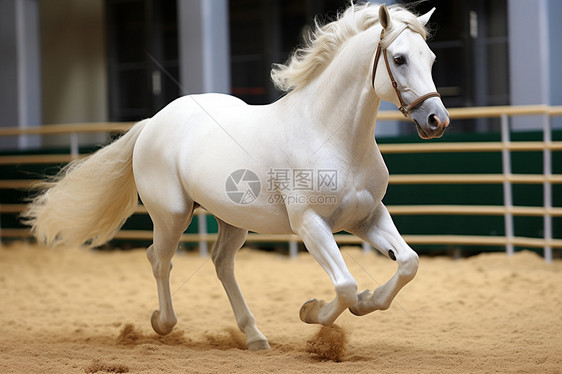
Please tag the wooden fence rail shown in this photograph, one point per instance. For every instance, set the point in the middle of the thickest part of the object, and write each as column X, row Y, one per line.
column 506, row 179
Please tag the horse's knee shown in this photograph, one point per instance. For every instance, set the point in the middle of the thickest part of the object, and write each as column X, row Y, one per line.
column 408, row 264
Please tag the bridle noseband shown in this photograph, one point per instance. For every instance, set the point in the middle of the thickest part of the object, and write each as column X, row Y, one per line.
column 404, row 109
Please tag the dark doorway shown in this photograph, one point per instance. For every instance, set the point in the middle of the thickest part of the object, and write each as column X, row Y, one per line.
column 142, row 40
column 264, row 32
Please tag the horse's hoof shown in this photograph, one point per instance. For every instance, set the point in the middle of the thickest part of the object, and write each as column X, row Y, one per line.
column 159, row 327
column 354, row 311
column 309, row 311
column 259, row 345
column 361, row 296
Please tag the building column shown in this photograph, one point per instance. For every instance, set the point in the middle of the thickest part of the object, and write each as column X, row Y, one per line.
column 20, row 89
column 555, row 55
column 204, row 51
column 528, row 58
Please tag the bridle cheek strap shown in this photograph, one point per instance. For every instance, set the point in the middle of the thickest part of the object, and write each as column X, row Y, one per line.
column 404, row 108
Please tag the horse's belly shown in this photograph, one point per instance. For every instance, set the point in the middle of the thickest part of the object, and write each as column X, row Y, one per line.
column 258, row 218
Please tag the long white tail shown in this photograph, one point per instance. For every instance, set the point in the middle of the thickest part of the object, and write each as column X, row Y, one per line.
column 89, row 199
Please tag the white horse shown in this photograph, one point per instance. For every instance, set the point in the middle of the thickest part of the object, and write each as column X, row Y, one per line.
column 305, row 164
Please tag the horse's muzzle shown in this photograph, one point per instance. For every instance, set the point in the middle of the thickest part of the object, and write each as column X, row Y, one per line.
column 431, row 123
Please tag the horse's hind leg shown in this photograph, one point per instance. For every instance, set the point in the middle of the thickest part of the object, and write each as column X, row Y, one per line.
column 230, row 240
column 168, row 228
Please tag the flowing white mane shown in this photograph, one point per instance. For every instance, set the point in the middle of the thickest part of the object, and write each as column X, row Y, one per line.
column 323, row 42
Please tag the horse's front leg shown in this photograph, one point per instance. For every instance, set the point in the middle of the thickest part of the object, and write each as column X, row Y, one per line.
column 381, row 233
column 319, row 240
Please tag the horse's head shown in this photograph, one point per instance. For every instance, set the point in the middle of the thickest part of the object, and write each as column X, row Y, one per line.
column 402, row 75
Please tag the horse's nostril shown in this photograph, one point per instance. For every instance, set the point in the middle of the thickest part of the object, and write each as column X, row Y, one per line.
column 433, row 121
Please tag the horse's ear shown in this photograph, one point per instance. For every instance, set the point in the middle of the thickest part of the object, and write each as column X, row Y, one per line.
column 425, row 18
column 384, row 17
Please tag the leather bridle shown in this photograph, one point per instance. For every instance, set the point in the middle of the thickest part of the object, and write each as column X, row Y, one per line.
column 404, row 109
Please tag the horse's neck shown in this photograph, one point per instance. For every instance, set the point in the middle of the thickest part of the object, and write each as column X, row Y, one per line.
column 340, row 102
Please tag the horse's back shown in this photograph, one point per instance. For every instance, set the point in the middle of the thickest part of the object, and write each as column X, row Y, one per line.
column 187, row 119
column 189, row 149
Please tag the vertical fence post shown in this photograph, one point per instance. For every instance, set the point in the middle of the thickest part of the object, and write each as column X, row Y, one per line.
column 547, row 187
column 507, row 197
column 293, row 248
column 366, row 247
column 202, row 228
column 74, row 148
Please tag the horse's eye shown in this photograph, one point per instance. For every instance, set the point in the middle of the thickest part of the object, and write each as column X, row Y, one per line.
column 399, row 60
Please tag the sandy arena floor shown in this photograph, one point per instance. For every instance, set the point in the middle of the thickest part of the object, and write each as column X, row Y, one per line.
column 80, row 311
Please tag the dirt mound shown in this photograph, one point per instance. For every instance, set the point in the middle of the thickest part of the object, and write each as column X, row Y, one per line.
column 329, row 343
column 131, row 336
column 98, row 366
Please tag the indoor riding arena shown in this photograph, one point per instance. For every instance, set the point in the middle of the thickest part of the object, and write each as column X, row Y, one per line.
column 480, row 205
